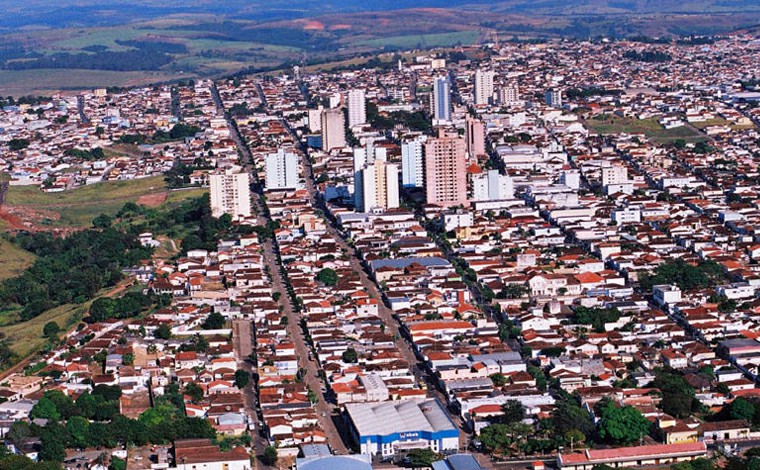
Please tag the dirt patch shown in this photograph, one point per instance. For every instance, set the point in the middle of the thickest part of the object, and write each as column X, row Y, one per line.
column 34, row 220
column 12, row 220
column 313, row 25
column 152, row 200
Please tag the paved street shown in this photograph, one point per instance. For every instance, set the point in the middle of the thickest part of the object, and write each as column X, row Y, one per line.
column 386, row 314
column 242, row 336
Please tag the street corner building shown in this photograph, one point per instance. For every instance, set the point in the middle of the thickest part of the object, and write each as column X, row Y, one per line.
column 389, row 427
column 658, row 454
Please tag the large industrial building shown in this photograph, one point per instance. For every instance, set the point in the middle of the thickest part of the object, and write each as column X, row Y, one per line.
column 390, row 427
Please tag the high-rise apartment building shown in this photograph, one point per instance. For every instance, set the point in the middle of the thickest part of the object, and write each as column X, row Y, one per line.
column 333, row 129
column 377, row 187
column 492, row 186
column 475, row 137
column 483, row 86
column 509, row 94
column 230, row 194
column 357, row 108
column 441, row 100
column 315, row 120
column 413, row 162
column 553, row 98
column 570, row 178
column 445, row 170
column 615, row 174
column 282, row 170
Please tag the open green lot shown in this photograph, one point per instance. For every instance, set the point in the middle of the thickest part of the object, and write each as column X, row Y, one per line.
column 26, row 337
column 92, row 194
column 13, row 260
column 719, row 121
column 424, row 40
column 77, row 207
column 49, row 81
column 611, row 125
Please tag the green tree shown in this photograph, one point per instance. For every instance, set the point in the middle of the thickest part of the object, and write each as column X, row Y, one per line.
column 270, row 456
column 242, row 378
column 79, row 429
column 499, row 380
column 18, row 432
column 53, row 443
column 128, row 359
column 327, row 277
column 215, row 321
column 163, row 331
column 422, row 458
column 677, row 395
column 194, row 391
column 513, row 410
column 102, row 309
column 505, row 438
column 512, row 291
column 117, row 464
column 742, row 409
column 45, row 409
column 51, row 330
column 350, row 356
column 102, row 221
column 568, row 415
column 574, row 438
column 622, row 425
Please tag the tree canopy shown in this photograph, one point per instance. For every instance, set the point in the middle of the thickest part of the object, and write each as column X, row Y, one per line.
column 622, row 424
column 327, row 277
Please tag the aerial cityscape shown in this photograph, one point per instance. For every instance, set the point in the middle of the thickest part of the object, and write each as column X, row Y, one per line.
column 510, row 253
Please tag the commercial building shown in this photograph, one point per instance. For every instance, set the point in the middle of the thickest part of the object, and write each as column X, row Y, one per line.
column 445, row 170
column 282, row 170
column 389, row 427
column 230, row 194
column 413, row 162
column 357, row 108
column 483, row 86
column 660, row 454
column 492, row 186
column 333, row 129
column 441, row 100
column 193, row 454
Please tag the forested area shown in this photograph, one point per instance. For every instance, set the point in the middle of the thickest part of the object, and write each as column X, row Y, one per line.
column 70, row 269
column 93, row 420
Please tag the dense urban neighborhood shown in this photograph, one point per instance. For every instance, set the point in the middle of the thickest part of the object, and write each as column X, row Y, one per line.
column 519, row 255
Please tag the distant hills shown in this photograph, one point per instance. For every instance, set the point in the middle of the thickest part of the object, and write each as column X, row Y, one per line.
column 87, row 13
column 152, row 40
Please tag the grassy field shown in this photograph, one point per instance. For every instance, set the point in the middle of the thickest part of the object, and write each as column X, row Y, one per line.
column 719, row 121
column 606, row 125
column 49, row 81
column 13, row 260
column 26, row 338
column 77, row 208
column 92, row 194
column 177, row 196
column 424, row 40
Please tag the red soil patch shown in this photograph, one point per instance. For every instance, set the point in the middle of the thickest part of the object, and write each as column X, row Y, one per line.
column 152, row 200
column 13, row 220
column 313, row 25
